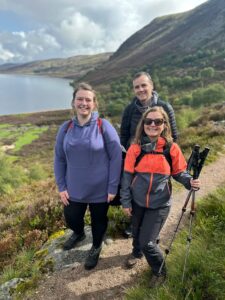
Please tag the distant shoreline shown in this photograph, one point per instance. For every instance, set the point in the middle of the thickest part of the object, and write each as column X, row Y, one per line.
column 36, row 75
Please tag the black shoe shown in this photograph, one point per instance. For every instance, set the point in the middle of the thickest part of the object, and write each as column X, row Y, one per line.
column 73, row 240
column 128, row 232
column 92, row 259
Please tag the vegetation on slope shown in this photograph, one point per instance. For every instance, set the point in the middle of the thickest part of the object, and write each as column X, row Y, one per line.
column 204, row 276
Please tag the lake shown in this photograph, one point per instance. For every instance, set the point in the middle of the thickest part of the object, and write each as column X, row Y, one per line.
column 23, row 94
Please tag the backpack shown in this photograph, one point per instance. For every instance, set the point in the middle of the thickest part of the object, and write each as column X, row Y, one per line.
column 116, row 200
column 166, row 153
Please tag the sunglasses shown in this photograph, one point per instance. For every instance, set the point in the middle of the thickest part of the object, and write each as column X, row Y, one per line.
column 157, row 122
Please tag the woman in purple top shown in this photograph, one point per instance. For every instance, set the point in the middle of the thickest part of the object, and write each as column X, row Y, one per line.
column 87, row 170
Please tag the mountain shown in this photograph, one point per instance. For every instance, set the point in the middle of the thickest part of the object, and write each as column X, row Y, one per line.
column 183, row 34
column 72, row 67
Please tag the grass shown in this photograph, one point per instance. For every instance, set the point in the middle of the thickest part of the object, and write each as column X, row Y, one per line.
column 20, row 136
column 28, row 137
column 24, row 266
column 3, row 126
column 205, row 269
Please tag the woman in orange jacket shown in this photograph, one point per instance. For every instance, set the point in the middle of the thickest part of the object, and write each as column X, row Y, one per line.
column 146, row 188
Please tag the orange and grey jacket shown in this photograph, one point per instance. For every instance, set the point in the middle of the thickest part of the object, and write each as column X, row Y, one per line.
column 147, row 184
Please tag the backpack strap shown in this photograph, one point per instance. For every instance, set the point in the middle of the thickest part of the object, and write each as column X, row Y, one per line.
column 99, row 122
column 166, row 153
column 69, row 125
column 139, row 157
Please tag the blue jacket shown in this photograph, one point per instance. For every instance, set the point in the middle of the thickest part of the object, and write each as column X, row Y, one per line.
column 87, row 161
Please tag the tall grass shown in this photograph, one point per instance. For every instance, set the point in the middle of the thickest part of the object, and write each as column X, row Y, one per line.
column 205, row 270
column 11, row 176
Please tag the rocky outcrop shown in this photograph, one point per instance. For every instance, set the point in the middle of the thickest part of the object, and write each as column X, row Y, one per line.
column 52, row 258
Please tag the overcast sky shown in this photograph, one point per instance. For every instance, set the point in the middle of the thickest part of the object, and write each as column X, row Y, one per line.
column 42, row 29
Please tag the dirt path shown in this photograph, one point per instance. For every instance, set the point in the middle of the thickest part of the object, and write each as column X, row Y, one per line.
column 109, row 280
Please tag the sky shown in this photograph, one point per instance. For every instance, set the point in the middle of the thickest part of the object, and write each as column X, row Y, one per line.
column 43, row 29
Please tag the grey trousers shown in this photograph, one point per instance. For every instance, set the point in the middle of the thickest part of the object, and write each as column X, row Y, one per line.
column 147, row 224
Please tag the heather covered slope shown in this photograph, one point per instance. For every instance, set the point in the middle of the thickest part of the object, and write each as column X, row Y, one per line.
column 167, row 37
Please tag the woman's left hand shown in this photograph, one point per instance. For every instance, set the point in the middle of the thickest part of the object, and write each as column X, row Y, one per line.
column 110, row 197
column 195, row 184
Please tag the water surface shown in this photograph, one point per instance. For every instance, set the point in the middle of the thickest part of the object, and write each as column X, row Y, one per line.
column 23, row 94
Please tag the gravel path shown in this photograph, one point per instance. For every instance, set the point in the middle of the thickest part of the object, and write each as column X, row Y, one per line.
column 109, row 280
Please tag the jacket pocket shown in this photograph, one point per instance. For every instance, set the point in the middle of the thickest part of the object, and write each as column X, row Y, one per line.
column 139, row 188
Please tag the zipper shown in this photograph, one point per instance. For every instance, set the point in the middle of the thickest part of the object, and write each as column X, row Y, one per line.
column 149, row 190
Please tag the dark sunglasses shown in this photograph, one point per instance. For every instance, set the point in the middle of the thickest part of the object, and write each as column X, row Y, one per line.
column 157, row 122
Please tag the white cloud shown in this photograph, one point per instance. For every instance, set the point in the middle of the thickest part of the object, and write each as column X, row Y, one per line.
column 70, row 27
column 5, row 55
column 25, row 46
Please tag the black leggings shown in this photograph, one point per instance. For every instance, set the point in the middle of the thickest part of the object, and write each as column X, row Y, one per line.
column 74, row 215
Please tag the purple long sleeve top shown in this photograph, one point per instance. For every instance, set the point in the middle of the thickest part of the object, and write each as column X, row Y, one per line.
column 87, row 160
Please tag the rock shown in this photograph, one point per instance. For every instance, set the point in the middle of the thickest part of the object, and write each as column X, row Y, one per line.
column 54, row 258
column 7, row 147
column 7, row 287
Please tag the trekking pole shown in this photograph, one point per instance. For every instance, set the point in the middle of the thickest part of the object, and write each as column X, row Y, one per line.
column 197, row 167
column 195, row 162
column 189, row 237
column 167, row 250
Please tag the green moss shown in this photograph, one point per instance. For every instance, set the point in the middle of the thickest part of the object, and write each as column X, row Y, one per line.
column 56, row 235
column 41, row 253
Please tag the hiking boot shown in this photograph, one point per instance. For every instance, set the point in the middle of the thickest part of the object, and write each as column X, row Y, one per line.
column 132, row 261
column 128, row 231
column 92, row 259
column 73, row 240
column 157, row 280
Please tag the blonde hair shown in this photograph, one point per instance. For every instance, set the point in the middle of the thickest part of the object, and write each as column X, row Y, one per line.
column 86, row 87
column 166, row 133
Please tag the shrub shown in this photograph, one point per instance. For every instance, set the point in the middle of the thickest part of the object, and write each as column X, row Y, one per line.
column 36, row 172
column 214, row 93
column 11, row 175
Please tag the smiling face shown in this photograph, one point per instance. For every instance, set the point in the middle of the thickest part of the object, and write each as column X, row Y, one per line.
column 154, row 129
column 84, row 103
column 143, row 88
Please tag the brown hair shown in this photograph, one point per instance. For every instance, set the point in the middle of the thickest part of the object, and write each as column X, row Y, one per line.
column 87, row 87
column 166, row 133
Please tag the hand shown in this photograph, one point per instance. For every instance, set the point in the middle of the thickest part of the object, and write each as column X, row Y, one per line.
column 110, row 197
column 195, row 184
column 64, row 196
column 128, row 211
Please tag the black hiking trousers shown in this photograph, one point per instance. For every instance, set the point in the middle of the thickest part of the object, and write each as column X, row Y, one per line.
column 74, row 216
column 147, row 224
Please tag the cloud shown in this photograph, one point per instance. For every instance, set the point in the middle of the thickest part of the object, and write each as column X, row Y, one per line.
column 5, row 54
column 24, row 46
column 62, row 28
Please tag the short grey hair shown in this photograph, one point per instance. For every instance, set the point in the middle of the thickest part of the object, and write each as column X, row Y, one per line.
column 139, row 74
